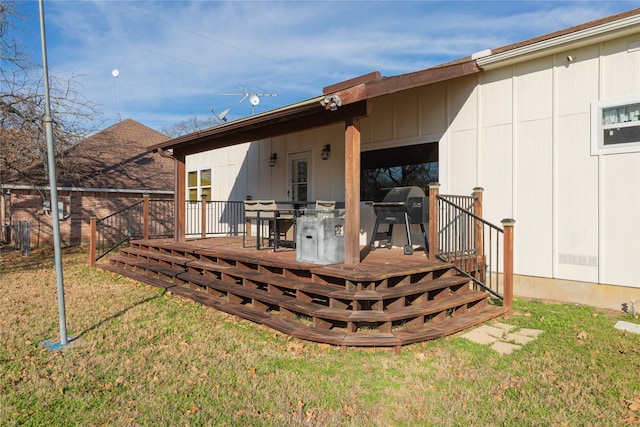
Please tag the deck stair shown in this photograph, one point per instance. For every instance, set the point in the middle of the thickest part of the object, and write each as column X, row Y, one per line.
column 376, row 306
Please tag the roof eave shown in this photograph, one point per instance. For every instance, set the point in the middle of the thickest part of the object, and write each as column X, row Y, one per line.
column 569, row 39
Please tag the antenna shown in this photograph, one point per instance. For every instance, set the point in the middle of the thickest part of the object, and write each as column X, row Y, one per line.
column 115, row 73
column 222, row 117
column 254, row 98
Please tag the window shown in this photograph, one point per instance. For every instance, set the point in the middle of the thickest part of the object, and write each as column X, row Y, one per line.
column 398, row 167
column 199, row 185
column 615, row 126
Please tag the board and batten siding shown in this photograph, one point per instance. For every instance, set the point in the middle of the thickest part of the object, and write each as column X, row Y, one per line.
column 523, row 134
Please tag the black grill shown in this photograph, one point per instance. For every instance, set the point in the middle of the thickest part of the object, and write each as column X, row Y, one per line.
column 401, row 205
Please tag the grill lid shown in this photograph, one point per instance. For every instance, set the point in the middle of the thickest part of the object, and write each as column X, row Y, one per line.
column 396, row 195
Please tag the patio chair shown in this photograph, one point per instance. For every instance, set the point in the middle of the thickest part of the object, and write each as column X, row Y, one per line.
column 325, row 208
column 258, row 212
column 283, row 232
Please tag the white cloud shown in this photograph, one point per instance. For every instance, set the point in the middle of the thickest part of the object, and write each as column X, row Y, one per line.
column 176, row 57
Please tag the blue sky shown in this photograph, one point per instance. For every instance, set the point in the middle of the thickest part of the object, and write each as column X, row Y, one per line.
column 176, row 58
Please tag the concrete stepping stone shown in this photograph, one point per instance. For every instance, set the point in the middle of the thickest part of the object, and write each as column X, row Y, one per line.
column 502, row 337
column 505, row 348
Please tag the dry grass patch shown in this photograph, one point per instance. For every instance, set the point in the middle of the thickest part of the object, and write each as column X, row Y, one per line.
column 151, row 358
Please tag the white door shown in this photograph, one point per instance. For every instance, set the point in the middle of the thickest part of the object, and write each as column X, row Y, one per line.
column 300, row 172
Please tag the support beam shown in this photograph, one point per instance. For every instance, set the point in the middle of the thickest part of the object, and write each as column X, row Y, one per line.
column 477, row 209
column 434, row 190
column 179, row 230
column 508, row 225
column 203, row 216
column 352, row 192
column 93, row 240
column 145, row 216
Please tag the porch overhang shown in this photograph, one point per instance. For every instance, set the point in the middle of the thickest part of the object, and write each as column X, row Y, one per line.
column 355, row 95
column 305, row 115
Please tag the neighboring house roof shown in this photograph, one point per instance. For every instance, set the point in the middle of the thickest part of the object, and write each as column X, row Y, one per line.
column 114, row 159
column 355, row 93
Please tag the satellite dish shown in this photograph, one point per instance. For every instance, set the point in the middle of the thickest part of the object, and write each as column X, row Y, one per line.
column 222, row 116
column 254, row 100
column 115, row 72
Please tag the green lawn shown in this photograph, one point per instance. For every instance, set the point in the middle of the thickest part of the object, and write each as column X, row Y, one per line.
column 144, row 357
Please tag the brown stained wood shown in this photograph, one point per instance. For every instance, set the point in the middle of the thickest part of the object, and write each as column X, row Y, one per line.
column 137, row 276
column 275, row 290
column 143, row 254
column 449, row 326
column 346, row 84
column 180, row 204
column 352, row 193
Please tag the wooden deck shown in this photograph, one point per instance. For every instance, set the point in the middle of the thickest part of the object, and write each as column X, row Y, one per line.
column 388, row 300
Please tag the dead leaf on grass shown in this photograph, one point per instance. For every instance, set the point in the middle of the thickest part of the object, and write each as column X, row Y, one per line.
column 634, row 405
column 348, row 411
column 295, row 346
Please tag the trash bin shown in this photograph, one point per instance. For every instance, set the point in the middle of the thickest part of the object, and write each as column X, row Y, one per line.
column 320, row 240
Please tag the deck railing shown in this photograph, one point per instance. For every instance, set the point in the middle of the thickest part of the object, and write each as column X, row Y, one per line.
column 478, row 249
column 206, row 218
column 151, row 219
column 148, row 218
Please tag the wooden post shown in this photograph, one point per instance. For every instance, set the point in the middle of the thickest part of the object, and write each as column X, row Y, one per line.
column 93, row 237
column 434, row 190
column 479, row 241
column 352, row 192
column 507, row 278
column 203, row 216
column 179, row 197
column 145, row 216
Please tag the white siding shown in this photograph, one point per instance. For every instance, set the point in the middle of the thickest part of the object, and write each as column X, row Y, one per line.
column 533, row 183
column 620, row 175
column 621, row 220
column 524, row 135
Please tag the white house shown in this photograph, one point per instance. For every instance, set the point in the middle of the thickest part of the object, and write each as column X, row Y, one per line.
column 549, row 127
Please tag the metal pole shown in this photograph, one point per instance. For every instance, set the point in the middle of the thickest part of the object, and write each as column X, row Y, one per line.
column 118, row 94
column 53, row 184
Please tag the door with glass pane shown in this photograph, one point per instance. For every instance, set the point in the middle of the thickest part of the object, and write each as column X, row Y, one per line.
column 198, row 187
column 300, row 176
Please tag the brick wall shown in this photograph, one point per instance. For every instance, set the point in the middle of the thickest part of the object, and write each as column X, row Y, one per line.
column 27, row 205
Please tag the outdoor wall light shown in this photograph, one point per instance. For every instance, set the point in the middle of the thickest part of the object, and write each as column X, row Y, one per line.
column 333, row 102
column 326, row 150
column 272, row 159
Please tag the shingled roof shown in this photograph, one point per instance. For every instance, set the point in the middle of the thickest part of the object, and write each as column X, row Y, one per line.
column 116, row 158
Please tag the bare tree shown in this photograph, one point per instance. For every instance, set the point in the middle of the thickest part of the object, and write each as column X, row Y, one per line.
column 192, row 124
column 22, row 105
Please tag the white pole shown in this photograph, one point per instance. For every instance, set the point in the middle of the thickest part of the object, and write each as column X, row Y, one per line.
column 115, row 74
column 53, row 184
